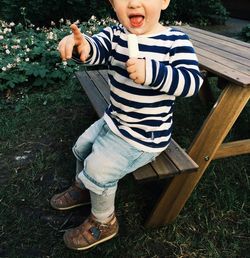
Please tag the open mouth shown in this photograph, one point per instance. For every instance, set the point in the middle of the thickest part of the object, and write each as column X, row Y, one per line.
column 136, row 21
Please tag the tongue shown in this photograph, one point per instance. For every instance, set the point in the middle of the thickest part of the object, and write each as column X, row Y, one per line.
column 136, row 21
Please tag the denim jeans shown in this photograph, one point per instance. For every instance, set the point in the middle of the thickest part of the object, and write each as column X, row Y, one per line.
column 106, row 158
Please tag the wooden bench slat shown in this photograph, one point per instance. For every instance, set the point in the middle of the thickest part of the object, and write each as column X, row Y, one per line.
column 179, row 157
column 92, row 92
column 219, row 68
column 223, row 43
column 217, row 36
column 100, row 83
column 164, row 167
column 95, row 84
column 104, row 74
column 145, row 173
column 241, row 62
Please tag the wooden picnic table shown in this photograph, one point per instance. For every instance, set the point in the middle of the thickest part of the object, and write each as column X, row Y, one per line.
column 223, row 57
column 229, row 60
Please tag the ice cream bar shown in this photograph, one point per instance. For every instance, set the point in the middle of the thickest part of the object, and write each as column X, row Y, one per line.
column 133, row 49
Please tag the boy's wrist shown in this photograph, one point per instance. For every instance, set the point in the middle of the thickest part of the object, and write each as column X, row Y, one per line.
column 76, row 55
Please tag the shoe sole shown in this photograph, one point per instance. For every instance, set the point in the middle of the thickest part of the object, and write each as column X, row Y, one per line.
column 94, row 244
column 70, row 207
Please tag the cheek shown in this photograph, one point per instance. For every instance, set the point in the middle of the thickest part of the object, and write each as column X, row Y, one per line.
column 120, row 13
column 154, row 14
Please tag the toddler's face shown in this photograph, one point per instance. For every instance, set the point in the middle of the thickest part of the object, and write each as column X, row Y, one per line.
column 140, row 17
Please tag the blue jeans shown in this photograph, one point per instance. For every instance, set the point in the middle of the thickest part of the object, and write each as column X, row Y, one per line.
column 106, row 158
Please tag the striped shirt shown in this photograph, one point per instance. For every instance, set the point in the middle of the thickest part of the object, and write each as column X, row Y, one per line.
column 143, row 114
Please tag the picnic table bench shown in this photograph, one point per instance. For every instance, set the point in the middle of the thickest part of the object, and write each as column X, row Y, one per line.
column 220, row 56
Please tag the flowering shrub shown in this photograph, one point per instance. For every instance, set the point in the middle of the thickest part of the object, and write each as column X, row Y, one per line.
column 29, row 56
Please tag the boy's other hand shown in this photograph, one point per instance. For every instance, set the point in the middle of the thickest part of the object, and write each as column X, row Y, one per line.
column 137, row 70
column 77, row 42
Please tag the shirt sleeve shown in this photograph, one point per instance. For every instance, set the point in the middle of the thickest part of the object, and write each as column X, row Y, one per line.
column 100, row 47
column 181, row 76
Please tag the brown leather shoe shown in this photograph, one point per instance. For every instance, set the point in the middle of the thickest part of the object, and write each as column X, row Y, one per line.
column 90, row 233
column 71, row 198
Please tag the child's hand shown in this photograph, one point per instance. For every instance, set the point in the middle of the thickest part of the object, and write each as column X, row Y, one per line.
column 137, row 70
column 74, row 41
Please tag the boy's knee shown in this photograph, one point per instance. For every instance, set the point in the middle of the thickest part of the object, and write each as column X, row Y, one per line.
column 99, row 170
column 93, row 170
column 95, row 178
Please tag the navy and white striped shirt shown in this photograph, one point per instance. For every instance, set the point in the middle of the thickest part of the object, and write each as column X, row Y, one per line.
column 142, row 114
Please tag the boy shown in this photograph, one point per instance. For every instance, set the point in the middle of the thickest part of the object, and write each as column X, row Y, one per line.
column 137, row 125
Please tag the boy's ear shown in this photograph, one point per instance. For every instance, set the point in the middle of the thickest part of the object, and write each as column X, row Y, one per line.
column 165, row 4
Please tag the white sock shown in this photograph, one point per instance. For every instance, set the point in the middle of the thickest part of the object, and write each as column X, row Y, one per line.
column 103, row 206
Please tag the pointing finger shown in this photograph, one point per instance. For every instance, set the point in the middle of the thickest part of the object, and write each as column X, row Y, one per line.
column 76, row 31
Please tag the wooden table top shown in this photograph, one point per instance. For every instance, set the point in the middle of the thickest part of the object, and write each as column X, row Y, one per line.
column 226, row 57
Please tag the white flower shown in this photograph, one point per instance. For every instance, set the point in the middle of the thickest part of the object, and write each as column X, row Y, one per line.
column 4, row 69
column 64, row 63
column 93, row 18
column 27, row 50
column 68, row 22
column 77, row 22
column 9, row 66
column 27, row 59
column 7, row 51
column 12, row 24
column 178, row 23
column 37, row 28
column 61, row 20
column 1, row 37
column 52, row 23
column 18, row 59
column 50, row 35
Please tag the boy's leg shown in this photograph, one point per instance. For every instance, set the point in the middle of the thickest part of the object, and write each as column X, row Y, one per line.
column 111, row 159
column 77, row 195
column 102, row 206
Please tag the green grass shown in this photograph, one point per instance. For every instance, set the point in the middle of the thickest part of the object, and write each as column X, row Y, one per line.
column 43, row 125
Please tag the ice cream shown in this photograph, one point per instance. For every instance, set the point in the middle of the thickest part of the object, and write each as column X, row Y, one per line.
column 133, row 49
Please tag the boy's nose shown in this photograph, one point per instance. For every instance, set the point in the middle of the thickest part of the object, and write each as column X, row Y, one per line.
column 134, row 4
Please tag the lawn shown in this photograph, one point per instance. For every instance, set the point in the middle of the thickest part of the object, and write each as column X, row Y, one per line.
column 37, row 131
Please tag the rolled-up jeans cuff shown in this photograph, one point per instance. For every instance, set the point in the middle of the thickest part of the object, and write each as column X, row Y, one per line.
column 98, row 188
column 77, row 156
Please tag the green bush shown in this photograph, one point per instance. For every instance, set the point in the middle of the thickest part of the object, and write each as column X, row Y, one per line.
column 29, row 56
column 245, row 33
column 196, row 12
column 41, row 12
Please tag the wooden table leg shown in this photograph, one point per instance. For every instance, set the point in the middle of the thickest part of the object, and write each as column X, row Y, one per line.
column 211, row 135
